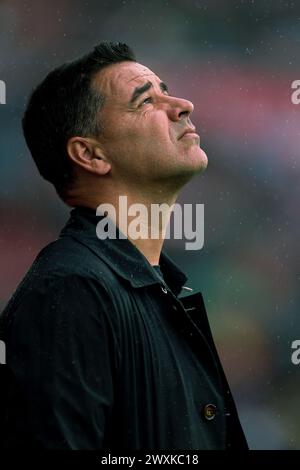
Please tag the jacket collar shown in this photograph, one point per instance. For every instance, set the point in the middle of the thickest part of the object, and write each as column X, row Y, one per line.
column 120, row 254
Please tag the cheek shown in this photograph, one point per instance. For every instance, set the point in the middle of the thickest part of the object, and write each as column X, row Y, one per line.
column 146, row 134
column 156, row 134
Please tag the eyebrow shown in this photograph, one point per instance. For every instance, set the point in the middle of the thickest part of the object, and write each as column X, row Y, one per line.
column 138, row 91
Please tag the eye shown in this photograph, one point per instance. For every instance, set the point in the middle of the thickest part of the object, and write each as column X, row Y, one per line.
column 147, row 100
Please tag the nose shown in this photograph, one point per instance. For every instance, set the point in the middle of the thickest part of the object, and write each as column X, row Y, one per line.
column 179, row 108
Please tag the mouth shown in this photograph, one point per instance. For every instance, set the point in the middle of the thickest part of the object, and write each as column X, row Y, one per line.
column 190, row 132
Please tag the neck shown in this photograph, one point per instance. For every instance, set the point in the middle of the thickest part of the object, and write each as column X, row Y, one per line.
column 142, row 216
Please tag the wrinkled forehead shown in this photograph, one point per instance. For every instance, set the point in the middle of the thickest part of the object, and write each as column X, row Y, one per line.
column 119, row 80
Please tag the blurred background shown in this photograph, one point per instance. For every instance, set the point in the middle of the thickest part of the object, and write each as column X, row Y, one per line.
column 235, row 60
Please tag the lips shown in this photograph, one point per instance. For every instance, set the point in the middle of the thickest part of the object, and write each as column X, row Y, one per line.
column 189, row 130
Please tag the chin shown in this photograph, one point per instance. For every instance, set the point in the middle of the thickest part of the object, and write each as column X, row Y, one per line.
column 203, row 160
column 197, row 161
column 184, row 173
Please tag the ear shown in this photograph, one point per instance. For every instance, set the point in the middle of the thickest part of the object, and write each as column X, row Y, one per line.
column 87, row 154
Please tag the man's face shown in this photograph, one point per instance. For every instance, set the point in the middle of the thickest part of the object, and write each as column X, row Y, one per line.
column 142, row 129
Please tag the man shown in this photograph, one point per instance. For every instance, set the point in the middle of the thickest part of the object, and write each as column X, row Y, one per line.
column 101, row 352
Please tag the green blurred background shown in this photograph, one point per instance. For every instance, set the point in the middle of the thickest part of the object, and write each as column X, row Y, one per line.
column 235, row 61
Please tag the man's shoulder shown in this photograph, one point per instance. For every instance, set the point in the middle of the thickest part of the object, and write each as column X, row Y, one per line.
column 67, row 257
column 60, row 262
column 63, row 269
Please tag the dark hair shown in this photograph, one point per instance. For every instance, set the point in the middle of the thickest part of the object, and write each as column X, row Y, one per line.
column 64, row 105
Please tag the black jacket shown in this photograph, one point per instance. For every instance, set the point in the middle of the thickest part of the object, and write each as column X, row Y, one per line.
column 102, row 354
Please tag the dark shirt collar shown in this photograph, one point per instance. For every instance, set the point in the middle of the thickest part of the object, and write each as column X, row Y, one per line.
column 120, row 254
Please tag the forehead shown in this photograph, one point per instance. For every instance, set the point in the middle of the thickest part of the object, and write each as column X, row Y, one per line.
column 119, row 80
